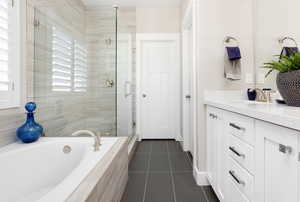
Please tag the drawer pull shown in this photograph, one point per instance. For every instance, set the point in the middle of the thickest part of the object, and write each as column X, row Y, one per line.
column 213, row 116
column 236, row 152
column 285, row 149
column 236, row 127
column 237, row 179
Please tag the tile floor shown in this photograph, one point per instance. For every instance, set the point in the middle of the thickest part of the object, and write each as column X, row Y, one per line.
column 161, row 172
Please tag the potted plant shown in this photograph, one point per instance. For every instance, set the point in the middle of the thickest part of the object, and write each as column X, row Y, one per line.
column 288, row 78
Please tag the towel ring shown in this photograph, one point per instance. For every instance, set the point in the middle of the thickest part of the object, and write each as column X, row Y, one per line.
column 282, row 40
column 228, row 39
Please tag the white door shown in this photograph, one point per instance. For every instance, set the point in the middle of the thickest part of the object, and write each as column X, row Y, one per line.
column 124, row 107
column 158, row 65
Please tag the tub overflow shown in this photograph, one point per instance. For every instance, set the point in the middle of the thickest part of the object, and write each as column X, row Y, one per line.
column 67, row 149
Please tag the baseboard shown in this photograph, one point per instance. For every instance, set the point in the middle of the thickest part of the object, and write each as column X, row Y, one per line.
column 200, row 177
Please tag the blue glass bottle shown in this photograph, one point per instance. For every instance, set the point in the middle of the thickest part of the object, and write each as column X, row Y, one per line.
column 30, row 131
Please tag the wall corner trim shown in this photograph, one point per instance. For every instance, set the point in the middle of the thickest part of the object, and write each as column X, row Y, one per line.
column 200, row 177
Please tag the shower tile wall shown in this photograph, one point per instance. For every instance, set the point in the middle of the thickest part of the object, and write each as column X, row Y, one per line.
column 63, row 113
column 11, row 119
column 100, row 35
column 100, row 23
column 127, row 27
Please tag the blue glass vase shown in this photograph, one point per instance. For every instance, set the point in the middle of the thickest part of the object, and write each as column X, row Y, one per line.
column 30, row 131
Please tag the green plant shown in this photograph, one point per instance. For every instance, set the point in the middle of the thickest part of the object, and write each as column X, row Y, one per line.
column 285, row 64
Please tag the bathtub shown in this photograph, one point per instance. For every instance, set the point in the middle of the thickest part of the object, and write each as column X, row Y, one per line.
column 47, row 171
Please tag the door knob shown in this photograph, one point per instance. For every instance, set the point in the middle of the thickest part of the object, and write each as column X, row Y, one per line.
column 144, row 95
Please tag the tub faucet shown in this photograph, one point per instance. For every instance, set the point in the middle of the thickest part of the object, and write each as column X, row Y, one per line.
column 92, row 134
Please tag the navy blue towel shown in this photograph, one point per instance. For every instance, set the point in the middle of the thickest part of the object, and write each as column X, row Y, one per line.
column 234, row 53
column 289, row 51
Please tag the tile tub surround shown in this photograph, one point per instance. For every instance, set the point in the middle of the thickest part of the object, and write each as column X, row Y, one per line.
column 161, row 172
column 108, row 179
column 282, row 115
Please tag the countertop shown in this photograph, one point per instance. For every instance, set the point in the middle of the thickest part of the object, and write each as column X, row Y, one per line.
column 282, row 115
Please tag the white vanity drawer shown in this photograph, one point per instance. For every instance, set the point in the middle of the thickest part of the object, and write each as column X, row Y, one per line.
column 241, row 126
column 234, row 194
column 241, row 152
column 241, row 178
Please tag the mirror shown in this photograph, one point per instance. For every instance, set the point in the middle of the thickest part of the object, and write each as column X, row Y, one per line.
column 273, row 21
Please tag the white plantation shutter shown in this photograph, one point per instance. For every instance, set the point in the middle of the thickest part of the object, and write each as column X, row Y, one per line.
column 9, row 53
column 62, row 61
column 69, row 63
column 80, row 68
column 4, row 20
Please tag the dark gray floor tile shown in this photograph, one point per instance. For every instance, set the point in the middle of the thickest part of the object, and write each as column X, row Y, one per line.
column 180, row 162
column 139, row 162
column 186, row 189
column 174, row 146
column 159, row 147
column 159, row 188
column 210, row 194
column 144, row 147
column 159, row 162
column 135, row 188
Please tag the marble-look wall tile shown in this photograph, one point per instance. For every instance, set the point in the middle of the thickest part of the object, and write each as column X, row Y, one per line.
column 63, row 113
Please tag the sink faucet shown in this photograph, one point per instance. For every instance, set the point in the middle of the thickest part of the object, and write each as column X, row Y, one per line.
column 96, row 137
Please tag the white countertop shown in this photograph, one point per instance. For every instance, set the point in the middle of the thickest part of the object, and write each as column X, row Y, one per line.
column 271, row 112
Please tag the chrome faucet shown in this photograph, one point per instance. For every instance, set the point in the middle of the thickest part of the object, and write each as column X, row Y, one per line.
column 96, row 136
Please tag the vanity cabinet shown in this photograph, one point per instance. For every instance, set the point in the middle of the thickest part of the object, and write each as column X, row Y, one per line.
column 249, row 160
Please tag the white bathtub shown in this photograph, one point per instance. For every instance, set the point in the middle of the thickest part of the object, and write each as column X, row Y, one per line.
column 42, row 172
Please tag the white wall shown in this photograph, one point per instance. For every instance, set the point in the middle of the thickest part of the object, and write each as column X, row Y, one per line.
column 158, row 20
column 216, row 19
column 272, row 22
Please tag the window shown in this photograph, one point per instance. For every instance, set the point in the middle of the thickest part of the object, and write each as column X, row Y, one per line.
column 62, row 48
column 80, row 68
column 9, row 54
column 69, row 63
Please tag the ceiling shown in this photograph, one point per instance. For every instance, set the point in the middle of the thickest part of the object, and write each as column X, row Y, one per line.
column 133, row 3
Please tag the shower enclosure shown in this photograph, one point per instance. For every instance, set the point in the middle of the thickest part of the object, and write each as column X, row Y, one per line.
column 82, row 76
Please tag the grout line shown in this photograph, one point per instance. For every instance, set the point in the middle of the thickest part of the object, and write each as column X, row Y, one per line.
column 205, row 196
column 189, row 160
column 171, row 172
column 147, row 172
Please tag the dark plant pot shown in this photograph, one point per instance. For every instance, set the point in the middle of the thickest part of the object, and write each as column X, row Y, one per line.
column 288, row 84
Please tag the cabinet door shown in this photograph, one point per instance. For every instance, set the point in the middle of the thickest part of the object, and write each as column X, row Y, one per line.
column 276, row 177
column 221, row 137
column 211, row 147
column 216, row 151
